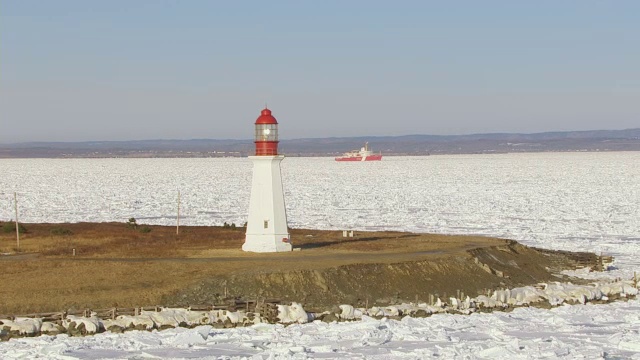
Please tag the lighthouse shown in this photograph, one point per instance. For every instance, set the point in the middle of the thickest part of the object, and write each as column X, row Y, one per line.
column 267, row 229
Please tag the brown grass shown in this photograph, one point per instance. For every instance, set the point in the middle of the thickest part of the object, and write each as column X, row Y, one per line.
column 119, row 266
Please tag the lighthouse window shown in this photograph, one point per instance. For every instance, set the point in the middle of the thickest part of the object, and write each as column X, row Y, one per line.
column 266, row 224
column 266, row 132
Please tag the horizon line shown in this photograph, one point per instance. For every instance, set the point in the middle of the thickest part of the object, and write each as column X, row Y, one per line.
column 318, row 138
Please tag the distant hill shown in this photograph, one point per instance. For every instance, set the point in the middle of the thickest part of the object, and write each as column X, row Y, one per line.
column 596, row 140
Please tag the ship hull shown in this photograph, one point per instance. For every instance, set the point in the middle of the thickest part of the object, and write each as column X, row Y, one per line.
column 360, row 158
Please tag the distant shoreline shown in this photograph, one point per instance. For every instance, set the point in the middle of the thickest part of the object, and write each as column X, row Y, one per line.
column 218, row 156
column 409, row 145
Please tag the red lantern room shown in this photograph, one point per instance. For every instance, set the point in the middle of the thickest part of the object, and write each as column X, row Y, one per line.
column 266, row 137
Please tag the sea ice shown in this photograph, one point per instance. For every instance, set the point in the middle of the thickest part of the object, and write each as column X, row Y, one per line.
column 566, row 201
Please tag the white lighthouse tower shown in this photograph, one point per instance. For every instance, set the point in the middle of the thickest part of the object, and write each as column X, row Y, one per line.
column 267, row 229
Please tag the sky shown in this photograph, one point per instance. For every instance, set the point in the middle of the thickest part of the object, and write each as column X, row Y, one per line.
column 89, row 70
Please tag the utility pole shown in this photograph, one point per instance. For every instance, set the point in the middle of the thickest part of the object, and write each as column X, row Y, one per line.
column 178, row 217
column 15, row 201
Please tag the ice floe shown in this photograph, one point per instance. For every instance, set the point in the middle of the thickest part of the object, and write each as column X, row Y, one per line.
column 568, row 201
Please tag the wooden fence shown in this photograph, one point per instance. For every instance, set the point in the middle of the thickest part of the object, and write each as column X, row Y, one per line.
column 266, row 306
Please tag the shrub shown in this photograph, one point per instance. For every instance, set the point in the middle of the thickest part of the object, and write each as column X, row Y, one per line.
column 145, row 229
column 231, row 226
column 60, row 231
column 132, row 223
column 11, row 227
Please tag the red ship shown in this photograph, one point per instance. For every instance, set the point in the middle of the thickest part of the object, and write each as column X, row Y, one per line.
column 364, row 154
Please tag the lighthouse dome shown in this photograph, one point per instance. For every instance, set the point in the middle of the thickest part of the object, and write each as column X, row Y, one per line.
column 266, row 117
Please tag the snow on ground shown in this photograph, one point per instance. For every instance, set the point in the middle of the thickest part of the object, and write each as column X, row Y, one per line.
column 588, row 331
column 572, row 201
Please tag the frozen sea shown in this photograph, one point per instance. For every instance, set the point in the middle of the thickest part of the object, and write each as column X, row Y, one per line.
column 570, row 201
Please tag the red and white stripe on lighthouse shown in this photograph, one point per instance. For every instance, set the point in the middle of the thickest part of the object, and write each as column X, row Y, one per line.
column 267, row 229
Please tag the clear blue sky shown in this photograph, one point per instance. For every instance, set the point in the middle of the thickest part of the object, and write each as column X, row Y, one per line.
column 119, row 70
